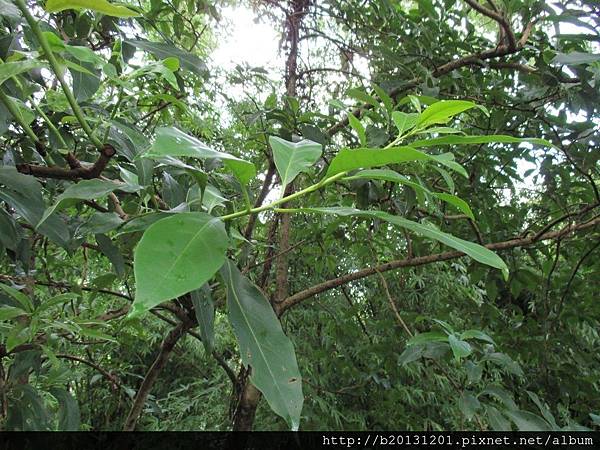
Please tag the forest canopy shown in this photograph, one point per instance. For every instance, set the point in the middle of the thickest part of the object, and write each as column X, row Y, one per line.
column 392, row 223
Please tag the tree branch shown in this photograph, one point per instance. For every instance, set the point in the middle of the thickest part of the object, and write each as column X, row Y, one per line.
column 423, row 260
column 498, row 17
column 161, row 359
column 475, row 58
column 87, row 173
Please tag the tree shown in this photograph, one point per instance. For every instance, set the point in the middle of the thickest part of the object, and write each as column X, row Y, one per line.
column 363, row 248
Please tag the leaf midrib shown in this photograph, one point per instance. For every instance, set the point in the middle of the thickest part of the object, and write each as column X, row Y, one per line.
column 255, row 338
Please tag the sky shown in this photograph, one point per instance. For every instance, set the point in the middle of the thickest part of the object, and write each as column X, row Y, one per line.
column 246, row 40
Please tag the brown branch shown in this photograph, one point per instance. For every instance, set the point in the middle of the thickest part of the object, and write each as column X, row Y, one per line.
column 498, row 17
column 87, row 173
column 260, row 199
column 475, row 58
column 109, row 376
column 423, row 260
column 152, row 375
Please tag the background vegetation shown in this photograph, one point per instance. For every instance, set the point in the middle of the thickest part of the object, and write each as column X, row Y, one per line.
column 110, row 117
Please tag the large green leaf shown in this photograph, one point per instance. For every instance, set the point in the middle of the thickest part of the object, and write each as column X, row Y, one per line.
column 263, row 346
column 364, row 158
column 175, row 256
column 10, row 69
column 475, row 251
column 442, row 112
column 83, row 190
column 174, row 142
column 291, row 158
column 470, row 140
column 162, row 50
column 395, row 177
column 101, row 6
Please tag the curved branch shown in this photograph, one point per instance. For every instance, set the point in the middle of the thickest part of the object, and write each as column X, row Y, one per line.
column 423, row 260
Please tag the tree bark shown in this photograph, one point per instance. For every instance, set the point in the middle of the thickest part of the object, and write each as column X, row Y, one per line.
column 249, row 395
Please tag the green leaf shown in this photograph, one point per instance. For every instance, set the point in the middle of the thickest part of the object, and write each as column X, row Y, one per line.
column 85, row 84
column 575, row 58
column 496, row 419
column 476, row 334
column 387, row 101
column 159, row 68
column 68, row 410
column 83, row 190
column 502, row 395
column 23, row 300
column 175, row 256
column 212, row 197
column 460, row 348
column 475, row 251
column 364, row 158
column 24, row 194
column 362, row 96
column 457, row 202
column 10, row 312
column 292, row 158
column 548, row 416
column 404, row 121
column 263, row 346
column 10, row 69
column 468, row 404
column 470, row 140
column 112, row 252
column 505, row 361
column 526, row 421
column 395, row 177
column 429, row 336
column 101, row 6
column 174, row 142
column 442, row 112
column 410, row 354
column 9, row 236
column 204, row 309
column 161, row 50
column 359, row 128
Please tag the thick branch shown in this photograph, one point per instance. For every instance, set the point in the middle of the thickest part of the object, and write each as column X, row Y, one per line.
column 423, row 260
column 87, row 173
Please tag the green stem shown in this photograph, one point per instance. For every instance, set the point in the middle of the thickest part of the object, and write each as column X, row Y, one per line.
column 50, row 125
column 58, row 72
column 246, row 198
column 290, row 197
column 14, row 111
column 113, row 113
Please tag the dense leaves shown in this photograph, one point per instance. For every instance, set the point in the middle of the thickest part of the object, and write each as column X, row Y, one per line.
column 402, row 206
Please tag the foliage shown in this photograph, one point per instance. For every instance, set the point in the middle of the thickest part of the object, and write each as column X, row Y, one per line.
column 411, row 245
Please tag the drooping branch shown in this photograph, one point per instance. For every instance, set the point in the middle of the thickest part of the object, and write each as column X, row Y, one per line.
column 429, row 259
column 75, row 172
